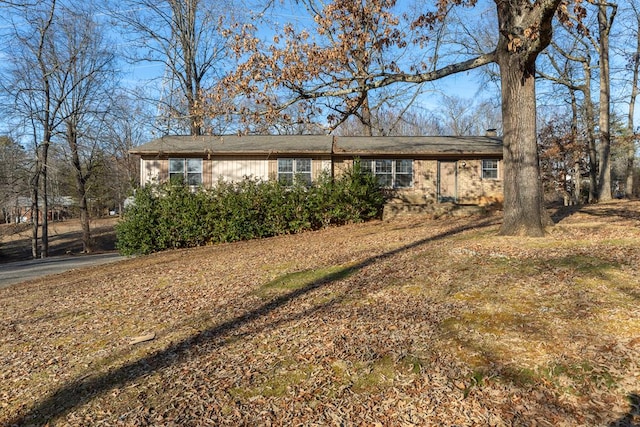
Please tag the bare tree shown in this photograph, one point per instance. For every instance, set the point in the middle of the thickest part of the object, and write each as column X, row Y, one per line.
column 571, row 66
column 129, row 126
column 84, row 84
column 560, row 155
column 184, row 37
column 28, row 82
column 569, row 63
column 634, row 65
column 605, row 22
column 59, row 81
column 462, row 116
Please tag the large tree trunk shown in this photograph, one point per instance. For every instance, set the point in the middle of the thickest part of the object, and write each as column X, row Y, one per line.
column 589, row 117
column 366, row 116
column 525, row 30
column 523, row 202
column 35, row 221
column 604, row 166
column 87, row 246
column 81, row 187
column 631, row 152
column 44, row 248
column 577, row 173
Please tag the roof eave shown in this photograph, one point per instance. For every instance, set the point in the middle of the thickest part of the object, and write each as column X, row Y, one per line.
column 417, row 153
column 228, row 153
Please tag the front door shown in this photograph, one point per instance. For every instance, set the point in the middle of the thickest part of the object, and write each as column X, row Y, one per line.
column 447, row 181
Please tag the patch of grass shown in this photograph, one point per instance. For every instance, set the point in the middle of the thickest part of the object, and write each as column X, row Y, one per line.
column 582, row 264
column 477, row 380
column 302, row 279
column 518, row 375
column 374, row 376
column 279, row 382
column 363, row 377
column 512, row 325
column 340, row 368
column 620, row 242
column 578, row 377
column 413, row 364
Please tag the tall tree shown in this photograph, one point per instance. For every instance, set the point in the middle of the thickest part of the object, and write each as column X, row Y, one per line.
column 634, row 66
column 351, row 42
column 128, row 127
column 84, row 84
column 605, row 22
column 183, row 37
column 524, row 29
column 571, row 66
column 28, row 81
column 580, row 42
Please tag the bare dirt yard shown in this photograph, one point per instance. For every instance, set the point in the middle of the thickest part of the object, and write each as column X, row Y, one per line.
column 410, row 321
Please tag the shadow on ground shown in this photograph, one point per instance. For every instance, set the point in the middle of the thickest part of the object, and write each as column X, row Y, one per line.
column 596, row 210
column 80, row 391
column 631, row 418
column 104, row 238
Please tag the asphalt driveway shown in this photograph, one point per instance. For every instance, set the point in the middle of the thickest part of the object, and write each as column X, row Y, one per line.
column 20, row 271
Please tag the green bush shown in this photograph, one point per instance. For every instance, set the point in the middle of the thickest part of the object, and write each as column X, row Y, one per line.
column 168, row 216
column 136, row 232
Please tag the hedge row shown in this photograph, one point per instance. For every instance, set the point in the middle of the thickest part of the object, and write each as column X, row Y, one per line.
column 170, row 216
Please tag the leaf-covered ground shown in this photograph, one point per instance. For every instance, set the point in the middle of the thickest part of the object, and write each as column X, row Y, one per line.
column 406, row 322
column 65, row 237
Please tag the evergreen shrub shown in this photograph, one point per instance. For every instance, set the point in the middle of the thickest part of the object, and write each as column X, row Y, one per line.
column 172, row 215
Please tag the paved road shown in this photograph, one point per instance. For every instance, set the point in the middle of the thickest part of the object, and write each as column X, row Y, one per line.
column 16, row 272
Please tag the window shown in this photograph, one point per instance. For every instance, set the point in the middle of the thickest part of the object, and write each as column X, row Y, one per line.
column 390, row 173
column 291, row 169
column 186, row 170
column 404, row 173
column 490, row 169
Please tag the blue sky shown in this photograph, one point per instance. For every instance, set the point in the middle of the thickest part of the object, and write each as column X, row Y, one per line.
column 467, row 85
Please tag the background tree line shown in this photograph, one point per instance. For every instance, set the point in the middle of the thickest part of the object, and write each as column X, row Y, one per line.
column 71, row 107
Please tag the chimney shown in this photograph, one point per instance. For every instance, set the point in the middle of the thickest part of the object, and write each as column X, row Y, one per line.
column 491, row 133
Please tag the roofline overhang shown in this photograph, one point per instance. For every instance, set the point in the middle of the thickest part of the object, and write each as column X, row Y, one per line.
column 227, row 153
column 334, row 151
column 456, row 154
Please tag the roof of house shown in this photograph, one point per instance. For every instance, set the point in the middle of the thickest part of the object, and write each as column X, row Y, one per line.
column 322, row 144
column 422, row 145
column 234, row 144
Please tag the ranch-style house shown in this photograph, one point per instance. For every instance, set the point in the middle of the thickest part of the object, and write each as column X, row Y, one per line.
column 415, row 169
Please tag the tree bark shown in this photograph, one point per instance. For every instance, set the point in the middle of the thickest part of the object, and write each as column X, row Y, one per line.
column 47, row 132
column 523, row 203
column 591, row 138
column 366, row 116
column 631, row 152
column 81, row 187
column 604, row 166
column 577, row 173
column 516, row 55
column 35, row 221
column 44, row 247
